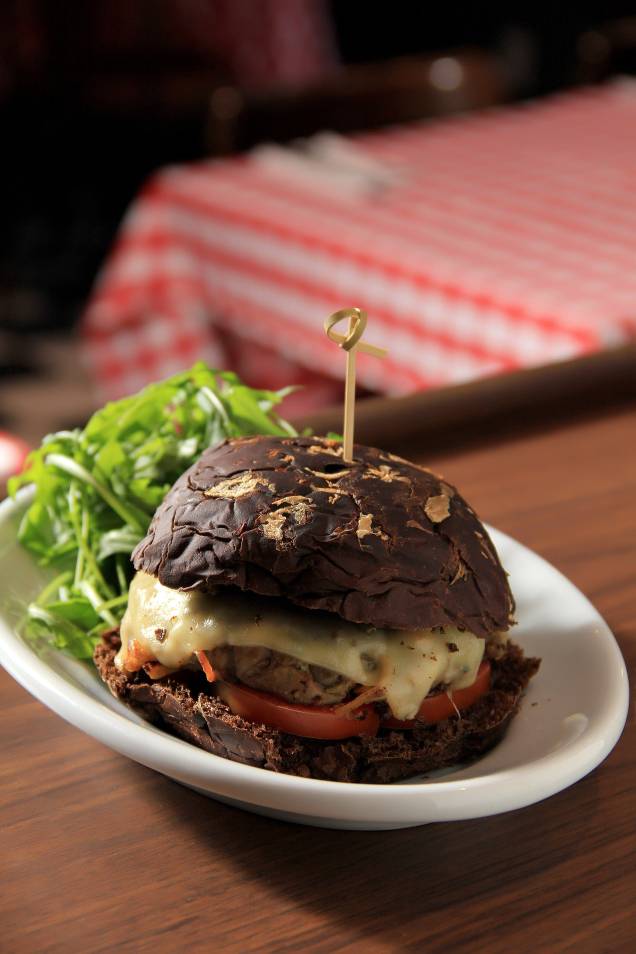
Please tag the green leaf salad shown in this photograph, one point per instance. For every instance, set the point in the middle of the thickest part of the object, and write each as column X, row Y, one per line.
column 97, row 489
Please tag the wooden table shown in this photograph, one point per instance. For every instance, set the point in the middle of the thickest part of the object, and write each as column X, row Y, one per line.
column 100, row 854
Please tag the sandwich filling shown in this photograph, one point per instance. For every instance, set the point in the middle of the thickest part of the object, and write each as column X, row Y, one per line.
column 170, row 627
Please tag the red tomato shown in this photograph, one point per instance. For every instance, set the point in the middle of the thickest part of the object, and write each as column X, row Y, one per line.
column 310, row 722
column 441, row 705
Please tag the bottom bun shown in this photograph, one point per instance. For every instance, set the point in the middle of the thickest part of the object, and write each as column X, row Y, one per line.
column 182, row 704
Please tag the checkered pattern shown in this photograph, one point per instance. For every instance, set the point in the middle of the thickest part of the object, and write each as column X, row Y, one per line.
column 509, row 241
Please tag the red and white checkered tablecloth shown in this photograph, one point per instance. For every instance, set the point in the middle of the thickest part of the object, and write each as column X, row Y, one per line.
column 509, row 241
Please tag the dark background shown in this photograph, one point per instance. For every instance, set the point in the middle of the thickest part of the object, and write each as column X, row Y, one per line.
column 85, row 118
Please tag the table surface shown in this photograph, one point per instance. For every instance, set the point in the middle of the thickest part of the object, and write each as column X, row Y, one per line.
column 99, row 853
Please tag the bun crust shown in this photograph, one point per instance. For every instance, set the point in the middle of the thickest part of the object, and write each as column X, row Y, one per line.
column 381, row 541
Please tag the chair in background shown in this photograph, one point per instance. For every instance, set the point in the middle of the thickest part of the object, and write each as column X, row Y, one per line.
column 357, row 98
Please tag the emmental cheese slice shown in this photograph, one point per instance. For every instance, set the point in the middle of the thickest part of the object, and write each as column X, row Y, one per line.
column 171, row 625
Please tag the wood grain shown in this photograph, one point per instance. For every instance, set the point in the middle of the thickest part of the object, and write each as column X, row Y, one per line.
column 100, row 854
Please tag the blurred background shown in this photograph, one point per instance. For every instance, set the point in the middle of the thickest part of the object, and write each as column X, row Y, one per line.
column 95, row 97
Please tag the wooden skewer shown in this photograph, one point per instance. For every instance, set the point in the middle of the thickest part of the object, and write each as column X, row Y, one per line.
column 349, row 399
column 350, row 343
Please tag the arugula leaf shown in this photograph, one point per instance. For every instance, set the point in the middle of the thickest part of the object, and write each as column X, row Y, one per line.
column 97, row 489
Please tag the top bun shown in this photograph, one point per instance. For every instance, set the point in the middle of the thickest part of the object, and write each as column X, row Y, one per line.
column 379, row 541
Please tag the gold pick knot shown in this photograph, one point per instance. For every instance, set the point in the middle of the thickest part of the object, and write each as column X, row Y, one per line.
column 357, row 324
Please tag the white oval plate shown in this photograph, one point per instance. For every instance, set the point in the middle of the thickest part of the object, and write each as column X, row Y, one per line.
column 570, row 718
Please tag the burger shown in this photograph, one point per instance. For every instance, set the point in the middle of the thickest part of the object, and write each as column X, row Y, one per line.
column 322, row 618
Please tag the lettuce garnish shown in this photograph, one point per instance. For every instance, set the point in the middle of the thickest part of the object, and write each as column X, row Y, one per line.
column 96, row 490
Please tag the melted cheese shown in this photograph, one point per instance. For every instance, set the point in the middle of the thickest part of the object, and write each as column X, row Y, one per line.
column 170, row 625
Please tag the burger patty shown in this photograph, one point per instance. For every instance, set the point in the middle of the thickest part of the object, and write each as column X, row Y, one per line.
column 290, row 678
column 280, row 674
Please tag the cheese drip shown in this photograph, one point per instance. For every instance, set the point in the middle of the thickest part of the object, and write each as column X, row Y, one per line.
column 171, row 625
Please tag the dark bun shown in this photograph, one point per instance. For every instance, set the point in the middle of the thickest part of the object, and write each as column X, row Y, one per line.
column 380, row 541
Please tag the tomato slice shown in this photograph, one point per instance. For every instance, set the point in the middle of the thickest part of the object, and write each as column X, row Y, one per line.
column 310, row 722
column 441, row 705
column 324, row 722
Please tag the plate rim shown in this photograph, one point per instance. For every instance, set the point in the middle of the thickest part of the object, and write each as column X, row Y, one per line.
column 224, row 777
